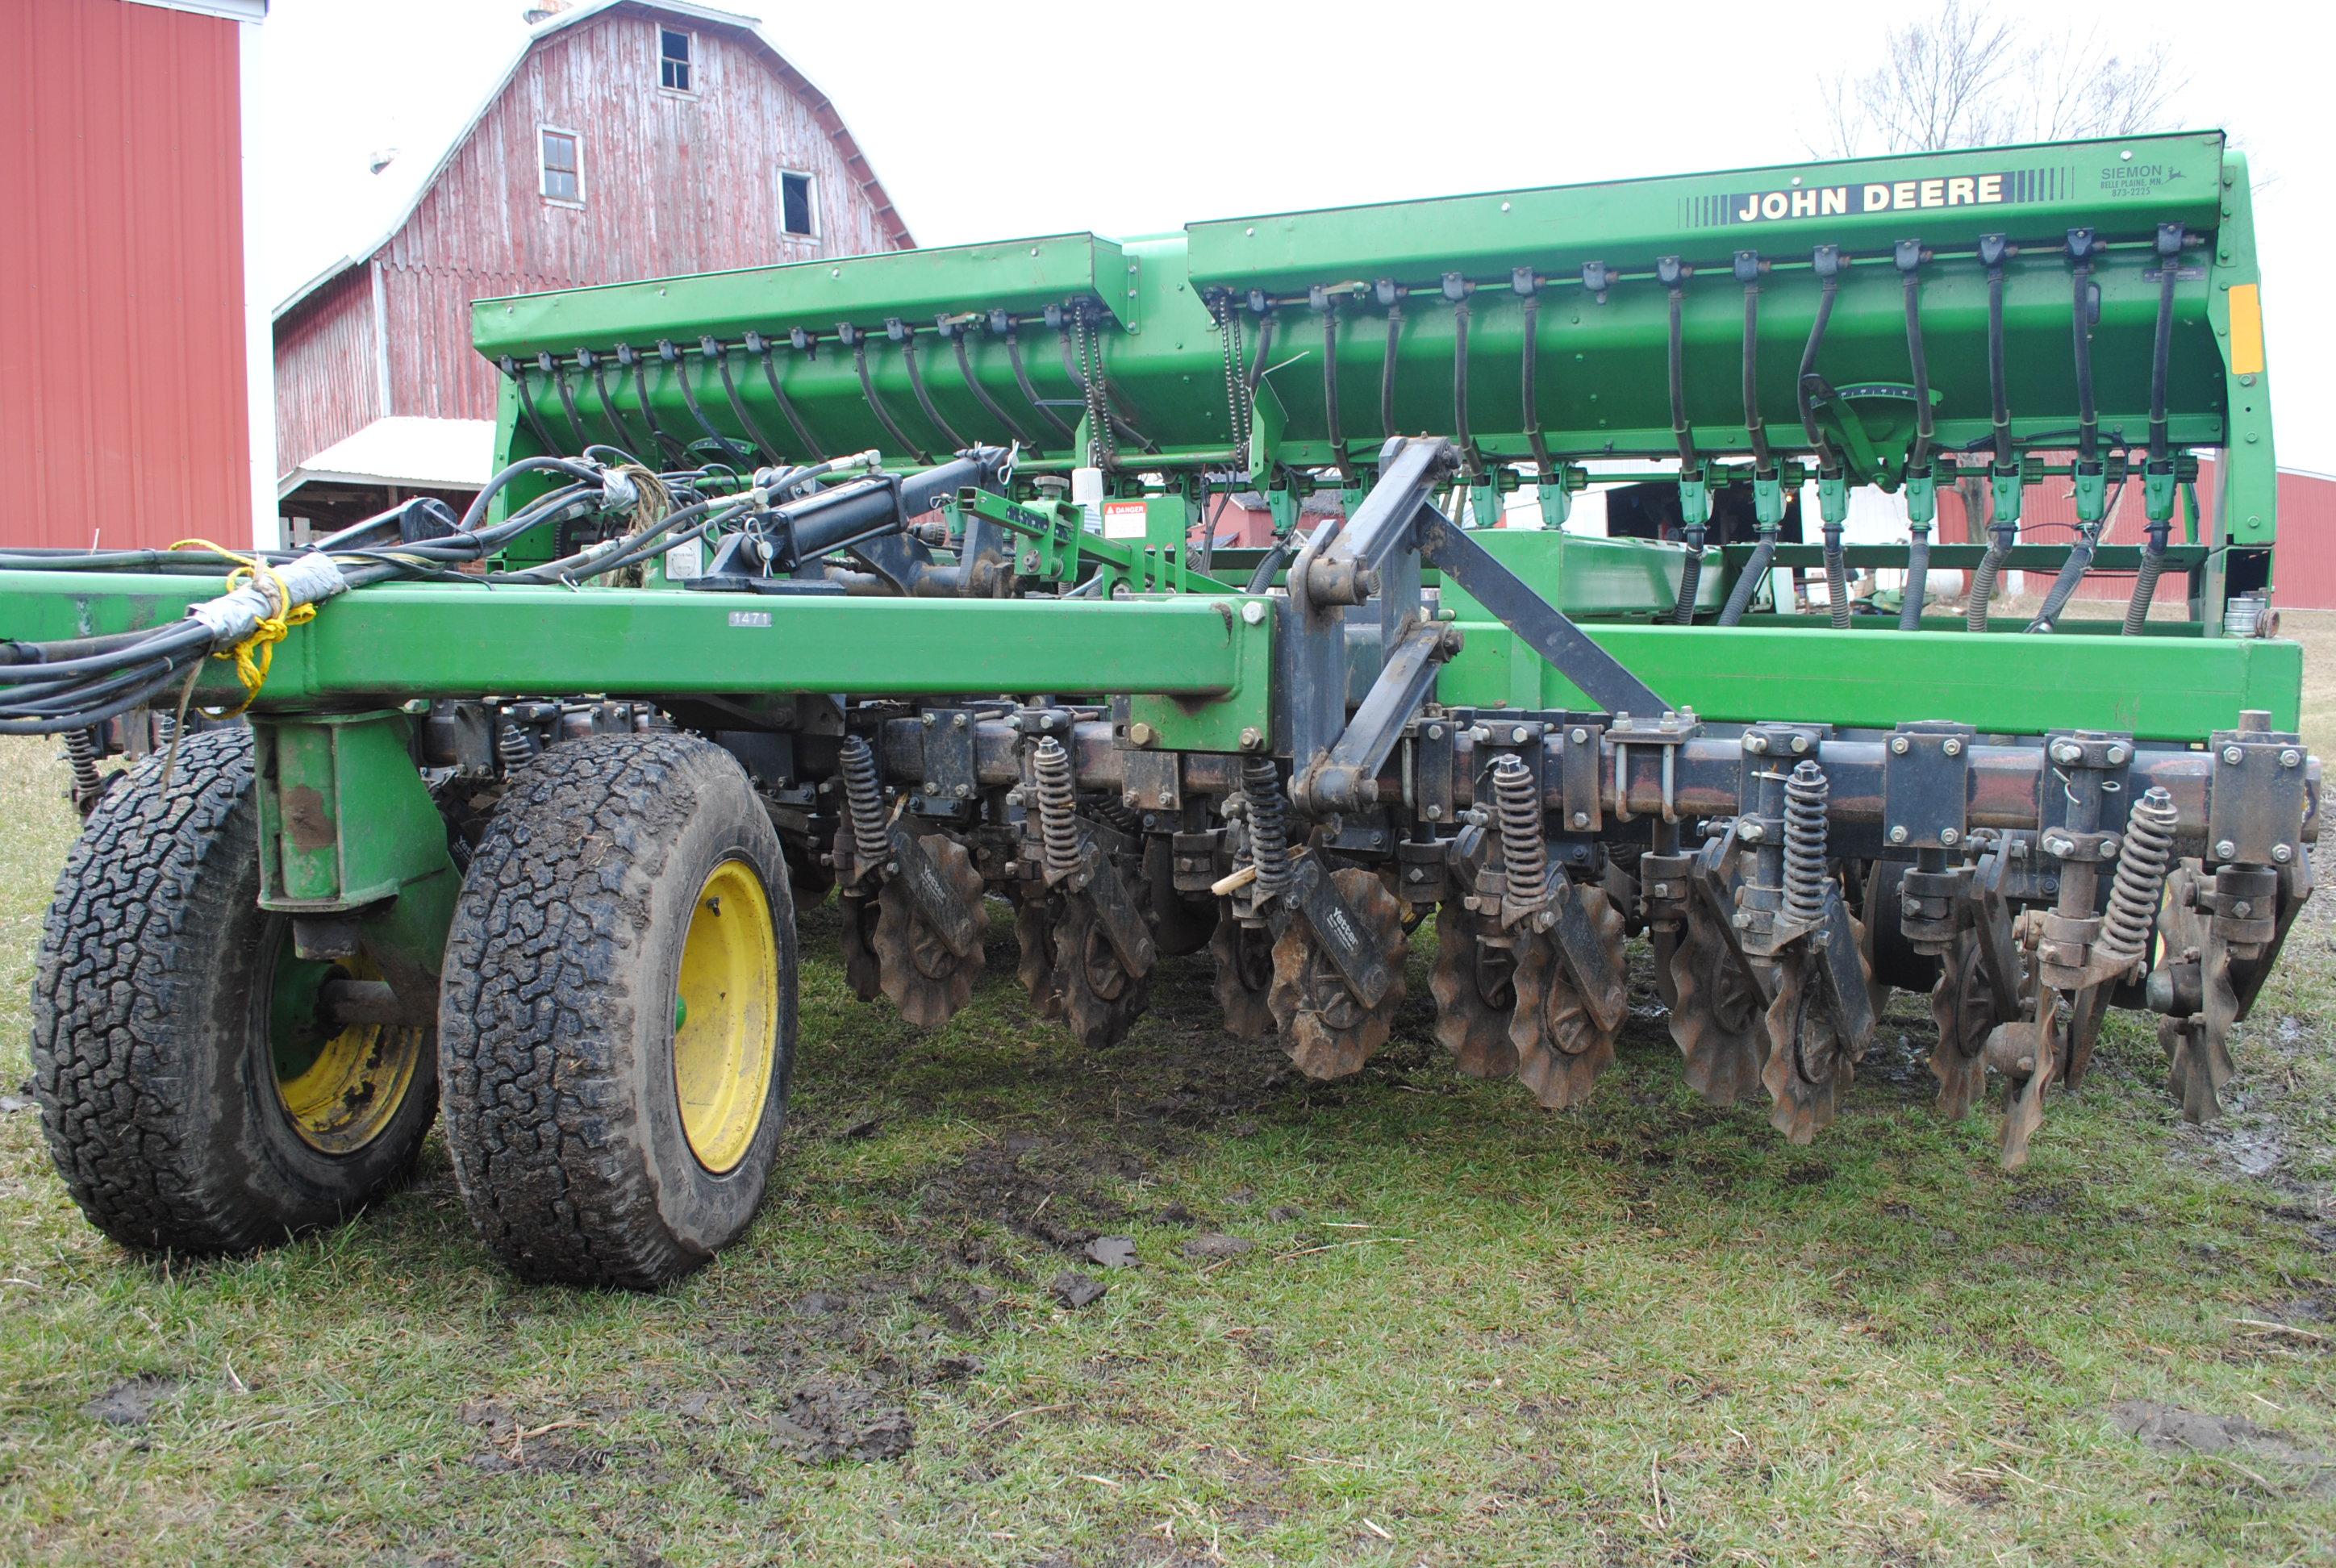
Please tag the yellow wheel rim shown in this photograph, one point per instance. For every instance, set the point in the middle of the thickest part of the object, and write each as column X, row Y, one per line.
column 725, row 1016
column 340, row 1087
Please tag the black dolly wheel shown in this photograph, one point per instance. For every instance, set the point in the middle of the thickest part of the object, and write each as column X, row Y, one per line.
column 197, row 1095
column 617, row 1021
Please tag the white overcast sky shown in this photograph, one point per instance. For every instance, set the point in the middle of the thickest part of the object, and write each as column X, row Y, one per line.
column 989, row 121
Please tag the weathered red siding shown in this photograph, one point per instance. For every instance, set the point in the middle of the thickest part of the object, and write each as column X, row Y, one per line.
column 672, row 183
column 122, row 324
column 328, row 379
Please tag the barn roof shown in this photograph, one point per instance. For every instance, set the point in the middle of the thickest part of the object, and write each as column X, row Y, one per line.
column 334, row 209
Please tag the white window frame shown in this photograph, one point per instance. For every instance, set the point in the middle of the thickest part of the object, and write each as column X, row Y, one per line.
column 811, row 201
column 543, row 169
column 690, row 34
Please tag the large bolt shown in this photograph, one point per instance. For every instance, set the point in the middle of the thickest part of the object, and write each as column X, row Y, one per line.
column 2069, row 752
column 1141, row 734
column 1756, row 744
column 1800, row 743
column 1900, row 745
column 2233, row 754
column 1253, row 613
column 1952, row 746
column 2226, row 849
column 1433, row 811
column 1582, row 819
column 1578, row 736
column 1435, row 732
column 1250, row 739
column 1518, row 735
column 2117, row 754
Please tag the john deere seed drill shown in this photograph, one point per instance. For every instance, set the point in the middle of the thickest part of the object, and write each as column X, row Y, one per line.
column 893, row 578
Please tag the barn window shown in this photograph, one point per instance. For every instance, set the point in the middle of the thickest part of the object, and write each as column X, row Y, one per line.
column 563, row 167
column 672, row 60
column 797, row 215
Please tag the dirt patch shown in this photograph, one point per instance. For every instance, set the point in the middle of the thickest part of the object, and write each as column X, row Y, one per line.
column 827, row 1420
column 2172, row 1428
column 133, row 1401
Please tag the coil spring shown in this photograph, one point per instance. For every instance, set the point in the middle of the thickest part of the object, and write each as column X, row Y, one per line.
column 1806, row 793
column 863, row 796
column 514, row 747
column 2140, row 877
column 1522, row 853
column 166, row 728
column 1269, row 825
column 1058, row 822
column 1119, row 814
column 80, row 750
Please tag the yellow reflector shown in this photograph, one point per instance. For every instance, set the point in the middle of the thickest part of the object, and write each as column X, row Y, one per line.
column 2246, row 329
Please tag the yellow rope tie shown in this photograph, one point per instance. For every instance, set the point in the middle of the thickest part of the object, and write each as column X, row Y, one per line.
column 253, row 655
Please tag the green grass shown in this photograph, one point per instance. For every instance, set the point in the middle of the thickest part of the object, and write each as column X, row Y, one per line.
column 1470, row 1332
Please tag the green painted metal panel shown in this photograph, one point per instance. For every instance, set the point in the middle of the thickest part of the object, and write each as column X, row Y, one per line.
column 1018, row 275
column 2152, row 687
column 2122, row 187
column 395, row 642
column 345, row 819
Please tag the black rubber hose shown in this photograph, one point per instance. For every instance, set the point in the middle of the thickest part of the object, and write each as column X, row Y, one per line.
column 1542, row 465
column 1275, row 558
column 1753, row 426
column 2161, row 352
column 1999, row 396
column 1330, row 383
column 1918, row 572
column 1739, row 598
column 1387, row 371
column 2064, row 585
column 1826, row 458
column 1982, row 589
column 1678, row 366
column 2088, row 419
column 1460, row 385
column 1690, row 578
column 1924, row 428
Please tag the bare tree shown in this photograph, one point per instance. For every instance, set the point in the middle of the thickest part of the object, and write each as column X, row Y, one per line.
column 1966, row 77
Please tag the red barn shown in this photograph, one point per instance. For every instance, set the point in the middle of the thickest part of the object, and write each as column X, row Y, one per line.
column 133, row 357
column 625, row 139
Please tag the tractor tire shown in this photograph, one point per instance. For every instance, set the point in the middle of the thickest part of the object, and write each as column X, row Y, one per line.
column 192, row 1099
column 617, row 1021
